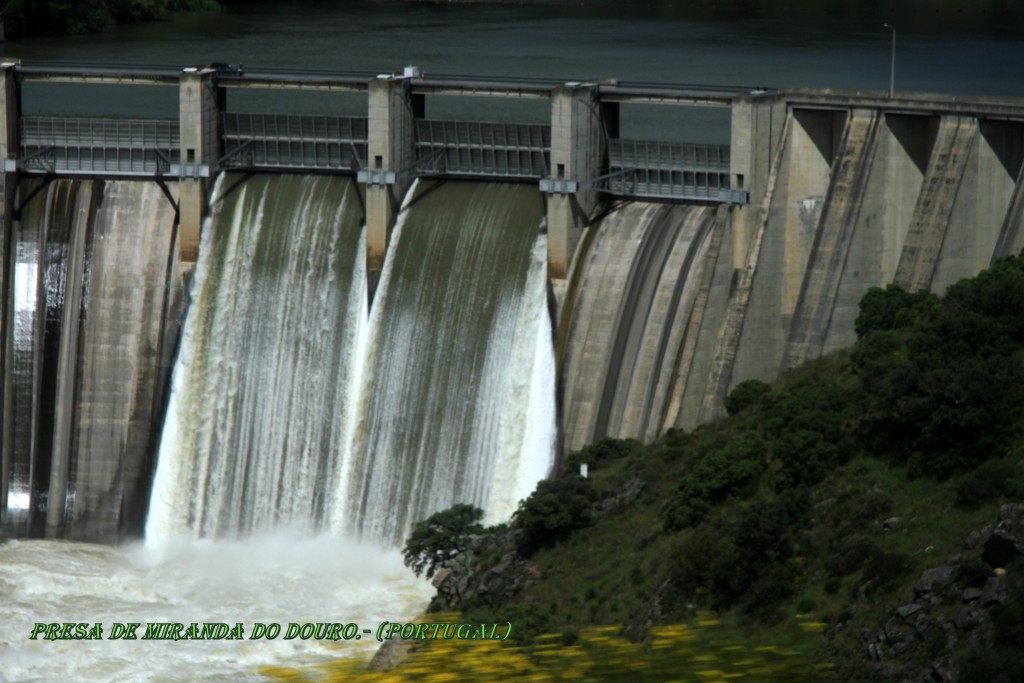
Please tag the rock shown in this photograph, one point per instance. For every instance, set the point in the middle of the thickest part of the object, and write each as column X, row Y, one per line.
column 626, row 495
column 1006, row 542
column 391, row 654
column 906, row 610
column 976, row 539
column 967, row 619
column 891, row 524
column 971, row 594
column 648, row 615
column 930, row 578
column 994, row 591
column 1012, row 513
column 938, row 672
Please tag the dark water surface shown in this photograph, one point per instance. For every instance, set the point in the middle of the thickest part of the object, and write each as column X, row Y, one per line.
column 629, row 41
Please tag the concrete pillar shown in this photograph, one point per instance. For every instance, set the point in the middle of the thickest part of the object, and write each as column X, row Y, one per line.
column 953, row 149
column 756, row 130
column 391, row 148
column 578, row 145
column 9, row 110
column 199, row 125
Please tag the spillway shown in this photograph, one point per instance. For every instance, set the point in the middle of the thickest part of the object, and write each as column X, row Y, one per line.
column 458, row 400
column 291, row 406
column 254, row 432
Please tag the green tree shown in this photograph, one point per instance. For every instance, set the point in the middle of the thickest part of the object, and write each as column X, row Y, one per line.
column 946, row 387
column 440, row 537
column 746, row 394
column 891, row 308
column 555, row 509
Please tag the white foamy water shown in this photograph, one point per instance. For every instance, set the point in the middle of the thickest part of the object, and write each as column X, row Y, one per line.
column 269, row 579
column 528, row 430
column 458, row 399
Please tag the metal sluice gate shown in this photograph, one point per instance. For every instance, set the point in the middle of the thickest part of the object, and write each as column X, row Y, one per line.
column 338, row 144
column 95, row 146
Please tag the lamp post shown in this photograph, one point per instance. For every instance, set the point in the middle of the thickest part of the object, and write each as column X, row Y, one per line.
column 892, row 61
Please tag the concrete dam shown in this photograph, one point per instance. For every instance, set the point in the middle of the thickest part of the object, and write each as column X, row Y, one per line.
column 227, row 321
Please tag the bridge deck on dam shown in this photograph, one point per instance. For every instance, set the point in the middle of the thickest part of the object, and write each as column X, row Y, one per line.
column 579, row 150
column 653, row 170
column 290, row 142
column 339, row 144
column 93, row 146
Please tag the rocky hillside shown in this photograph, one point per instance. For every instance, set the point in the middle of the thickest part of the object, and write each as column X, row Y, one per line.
column 865, row 508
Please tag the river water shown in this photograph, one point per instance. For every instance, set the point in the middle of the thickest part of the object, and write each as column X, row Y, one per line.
column 286, row 578
column 629, row 41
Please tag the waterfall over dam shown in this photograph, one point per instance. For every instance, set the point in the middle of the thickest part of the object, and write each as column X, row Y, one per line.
column 458, row 392
column 255, row 425
column 290, row 408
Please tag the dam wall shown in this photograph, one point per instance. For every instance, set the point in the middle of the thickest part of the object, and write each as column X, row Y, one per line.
column 94, row 308
column 846, row 193
column 674, row 270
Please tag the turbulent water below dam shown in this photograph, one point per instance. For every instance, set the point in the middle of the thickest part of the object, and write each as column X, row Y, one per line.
column 277, row 578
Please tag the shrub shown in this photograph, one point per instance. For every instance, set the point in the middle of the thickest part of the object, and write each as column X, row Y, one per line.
column 745, row 395
column 769, row 590
column 946, row 378
column 882, row 568
column 891, row 308
column 855, row 510
column 721, row 473
column 552, row 512
column 695, row 557
column 806, row 606
column 440, row 537
column 848, row 556
column 600, row 451
column 990, row 481
column 758, row 547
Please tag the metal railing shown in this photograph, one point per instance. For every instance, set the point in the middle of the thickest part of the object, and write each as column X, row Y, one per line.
column 483, row 150
column 668, row 170
column 294, row 142
column 73, row 145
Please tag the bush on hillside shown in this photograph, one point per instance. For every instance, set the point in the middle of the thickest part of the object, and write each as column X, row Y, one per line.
column 891, row 308
column 555, row 509
column 695, row 558
column 989, row 482
column 440, row 537
column 746, row 394
column 68, row 17
column 882, row 569
column 945, row 379
column 601, row 451
column 758, row 544
column 723, row 472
